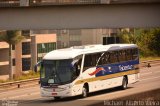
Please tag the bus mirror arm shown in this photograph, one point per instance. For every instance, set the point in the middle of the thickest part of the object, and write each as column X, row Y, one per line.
column 36, row 66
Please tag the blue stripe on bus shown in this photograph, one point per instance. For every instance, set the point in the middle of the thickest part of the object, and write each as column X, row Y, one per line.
column 116, row 68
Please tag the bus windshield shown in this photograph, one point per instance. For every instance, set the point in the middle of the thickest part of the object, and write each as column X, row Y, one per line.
column 56, row 71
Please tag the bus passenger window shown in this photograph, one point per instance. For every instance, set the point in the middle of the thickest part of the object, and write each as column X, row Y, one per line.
column 76, row 69
column 105, row 59
column 87, row 61
column 99, row 57
column 122, row 56
column 79, row 65
column 117, row 55
column 91, row 60
column 128, row 54
column 113, row 57
column 135, row 54
column 76, row 66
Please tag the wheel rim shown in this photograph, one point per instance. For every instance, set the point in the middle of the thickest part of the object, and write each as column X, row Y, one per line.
column 124, row 84
column 84, row 92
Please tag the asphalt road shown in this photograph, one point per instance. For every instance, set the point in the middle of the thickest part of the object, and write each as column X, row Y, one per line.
column 149, row 80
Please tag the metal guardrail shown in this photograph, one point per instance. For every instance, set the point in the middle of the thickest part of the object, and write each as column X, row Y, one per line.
column 62, row 2
column 19, row 3
column 149, row 63
column 18, row 84
column 9, row 3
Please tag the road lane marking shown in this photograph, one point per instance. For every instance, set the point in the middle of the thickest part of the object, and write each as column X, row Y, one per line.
column 150, row 73
column 30, row 94
column 119, row 92
column 150, row 78
column 149, row 69
column 19, row 90
column 38, row 92
column 19, row 96
column 146, row 73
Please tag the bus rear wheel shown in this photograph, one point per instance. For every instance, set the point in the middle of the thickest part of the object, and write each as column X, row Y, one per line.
column 124, row 83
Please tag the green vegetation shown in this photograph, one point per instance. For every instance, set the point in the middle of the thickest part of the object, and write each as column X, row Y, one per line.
column 149, row 58
column 12, row 38
column 29, row 75
column 148, row 40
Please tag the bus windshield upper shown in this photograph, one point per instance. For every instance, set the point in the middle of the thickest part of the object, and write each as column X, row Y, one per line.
column 57, row 71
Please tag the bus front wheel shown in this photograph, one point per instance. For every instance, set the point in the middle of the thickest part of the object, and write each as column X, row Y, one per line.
column 84, row 91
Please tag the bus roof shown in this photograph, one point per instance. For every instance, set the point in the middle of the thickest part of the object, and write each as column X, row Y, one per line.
column 74, row 51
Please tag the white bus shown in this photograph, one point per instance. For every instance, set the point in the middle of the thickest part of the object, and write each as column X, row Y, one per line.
column 80, row 70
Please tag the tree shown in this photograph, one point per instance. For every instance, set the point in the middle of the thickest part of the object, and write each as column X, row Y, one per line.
column 130, row 36
column 12, row 38
column 146, row 39
column 154, row 44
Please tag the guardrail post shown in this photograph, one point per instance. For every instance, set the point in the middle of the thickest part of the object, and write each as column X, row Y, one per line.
column 18, row 85
column 24, row 2
column 148, row 65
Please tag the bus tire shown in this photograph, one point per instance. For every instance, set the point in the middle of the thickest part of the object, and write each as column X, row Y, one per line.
column 84, row 91
column 124, row 83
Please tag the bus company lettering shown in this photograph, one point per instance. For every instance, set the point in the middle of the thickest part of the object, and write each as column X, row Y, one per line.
column 124, row 68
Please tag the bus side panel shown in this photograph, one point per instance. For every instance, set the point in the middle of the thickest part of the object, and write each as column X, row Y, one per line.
column 133, row 78
column 112, row 82
column 95, row 86
column 77, row 89
column 105, row 84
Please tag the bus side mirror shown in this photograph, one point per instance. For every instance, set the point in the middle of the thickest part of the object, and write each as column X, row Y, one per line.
column 77, row 69
column 36, row 66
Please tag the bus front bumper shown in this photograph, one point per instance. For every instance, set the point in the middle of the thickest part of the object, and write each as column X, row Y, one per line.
column 52, row 92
